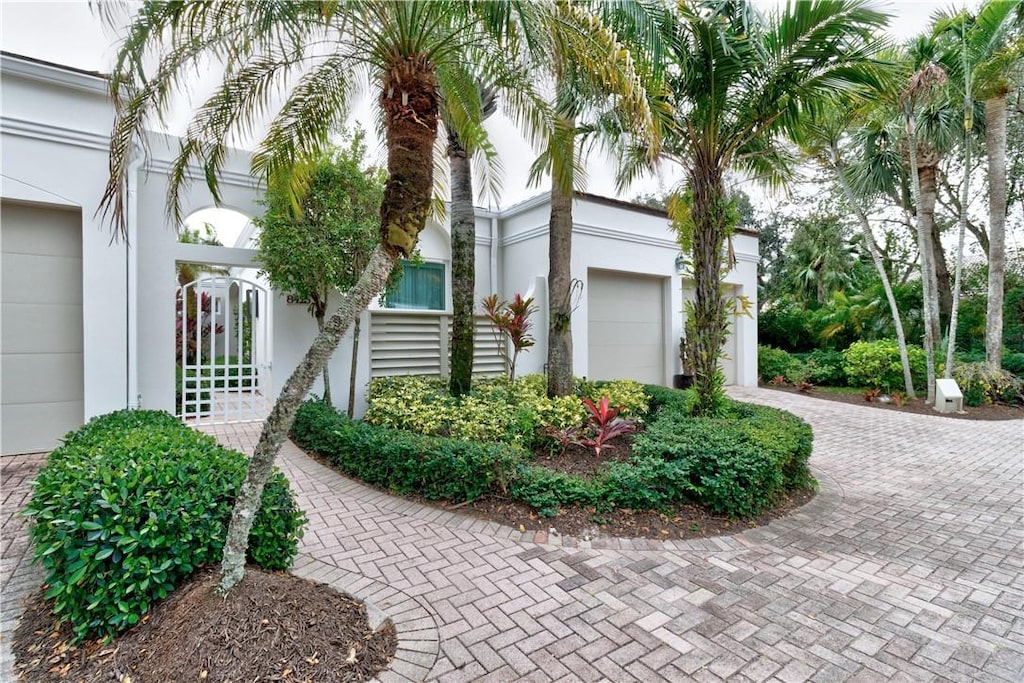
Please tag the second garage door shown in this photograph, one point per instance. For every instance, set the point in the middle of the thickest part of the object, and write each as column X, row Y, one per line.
column 626, row 327
column 41, row 320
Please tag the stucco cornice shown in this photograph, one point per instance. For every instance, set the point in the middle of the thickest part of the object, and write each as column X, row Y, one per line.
column 223, row 176
column 36, row 70
column 594, row 231
column 43, row 131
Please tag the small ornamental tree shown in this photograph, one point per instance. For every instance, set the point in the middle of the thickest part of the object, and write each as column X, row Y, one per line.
column 325, row 246
column 512, row 320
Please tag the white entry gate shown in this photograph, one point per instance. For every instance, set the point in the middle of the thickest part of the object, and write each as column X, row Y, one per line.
column 223, row 351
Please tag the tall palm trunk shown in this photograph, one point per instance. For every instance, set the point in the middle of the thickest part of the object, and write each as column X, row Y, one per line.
column 876, row 259
column 560, row 381
column 995, row 146
column 560, row 290
column 463, row 266
column 929, row 286
column 707, row 326
column 409, row 102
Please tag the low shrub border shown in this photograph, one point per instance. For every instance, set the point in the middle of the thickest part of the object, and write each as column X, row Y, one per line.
column 131, row 504
column 738, row 464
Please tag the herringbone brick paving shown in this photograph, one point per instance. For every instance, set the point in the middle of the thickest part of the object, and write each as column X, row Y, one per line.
column 907, row 567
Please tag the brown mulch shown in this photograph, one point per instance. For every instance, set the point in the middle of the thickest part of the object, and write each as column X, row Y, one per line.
column 271, row 627
column 990, row 412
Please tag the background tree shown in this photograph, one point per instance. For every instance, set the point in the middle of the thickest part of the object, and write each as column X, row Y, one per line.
column 315, row 54
column 324, row 249
column 740, row 84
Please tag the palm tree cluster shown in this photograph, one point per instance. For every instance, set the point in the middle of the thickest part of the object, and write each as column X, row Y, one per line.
column 711, row 85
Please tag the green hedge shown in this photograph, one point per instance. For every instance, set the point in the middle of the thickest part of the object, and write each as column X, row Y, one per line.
column 134, row 502
column 738, row 464
column 772, row 363
column 435, row 467
column 982, row 384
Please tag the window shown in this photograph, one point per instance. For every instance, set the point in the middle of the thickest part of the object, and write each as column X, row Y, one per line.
column 421, row 288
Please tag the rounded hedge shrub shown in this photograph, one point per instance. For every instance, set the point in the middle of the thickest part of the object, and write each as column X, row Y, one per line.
column 134, row 502
column 877, row 365
column 825, row 368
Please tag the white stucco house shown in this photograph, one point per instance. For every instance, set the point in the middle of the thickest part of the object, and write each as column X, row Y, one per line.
column 88, row 324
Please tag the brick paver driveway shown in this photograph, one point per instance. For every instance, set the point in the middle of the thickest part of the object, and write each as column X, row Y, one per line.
column 906, row 567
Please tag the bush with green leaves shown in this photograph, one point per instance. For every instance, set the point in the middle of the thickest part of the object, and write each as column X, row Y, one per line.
column 405, row 462
column 622, row 393
column 495, row 410
column 738, row 463
column 876, row 365
column 772, row 363
column 131, row 504
column 824, row 367
column 1014, row 363
column 983, row 384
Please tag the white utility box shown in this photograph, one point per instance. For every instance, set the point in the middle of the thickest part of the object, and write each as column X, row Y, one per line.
column 948, row 398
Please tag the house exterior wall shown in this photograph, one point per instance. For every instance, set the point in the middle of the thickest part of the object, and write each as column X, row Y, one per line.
column 54, row 127
column 55, row 137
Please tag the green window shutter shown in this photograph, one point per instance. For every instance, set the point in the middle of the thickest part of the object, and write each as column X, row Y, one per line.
column 421, row 288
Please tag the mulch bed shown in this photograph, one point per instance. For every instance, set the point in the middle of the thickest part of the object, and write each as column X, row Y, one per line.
column 920, row 406
column 271, row 627
column 678, row 522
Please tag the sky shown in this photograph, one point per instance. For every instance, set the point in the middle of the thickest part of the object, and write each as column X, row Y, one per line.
column 66, row 32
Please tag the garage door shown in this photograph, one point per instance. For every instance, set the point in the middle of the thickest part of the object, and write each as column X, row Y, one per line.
column 41, row 380
column 626, row 336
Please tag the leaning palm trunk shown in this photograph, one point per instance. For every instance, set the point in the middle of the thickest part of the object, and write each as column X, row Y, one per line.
column 929, row 287
column 707, row 326
column 276, row 427
column 463, row 266
column 408, row 101
column 876, row 259
column 995, row 145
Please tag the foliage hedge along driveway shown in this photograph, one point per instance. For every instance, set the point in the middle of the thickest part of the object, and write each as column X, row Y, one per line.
column 738, row 463
column 134, row 502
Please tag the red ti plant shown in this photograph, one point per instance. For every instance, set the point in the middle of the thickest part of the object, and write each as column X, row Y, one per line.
column 605, row 423
column 513, row 322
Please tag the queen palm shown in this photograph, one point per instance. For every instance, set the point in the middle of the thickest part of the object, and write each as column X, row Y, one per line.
column 589, row 104
column 741, row 83
column 317, row 53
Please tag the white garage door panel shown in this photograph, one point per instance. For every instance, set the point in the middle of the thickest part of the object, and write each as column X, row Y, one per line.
column 22, row 425
column 40, row 279
column 51, row 328
column 40, row 230
column 626, row 327
column 41, row 378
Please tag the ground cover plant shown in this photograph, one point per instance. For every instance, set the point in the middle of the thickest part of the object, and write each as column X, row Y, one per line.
column 506, row 447
column 132, row 504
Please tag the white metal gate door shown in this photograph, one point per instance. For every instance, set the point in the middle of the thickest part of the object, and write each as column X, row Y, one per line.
column 223, row 351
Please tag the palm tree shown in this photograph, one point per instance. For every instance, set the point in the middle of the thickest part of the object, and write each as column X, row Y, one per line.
column 410, row 52
column 622, row 91
column 991, row 45
column 740, row 83
column 463, row 222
